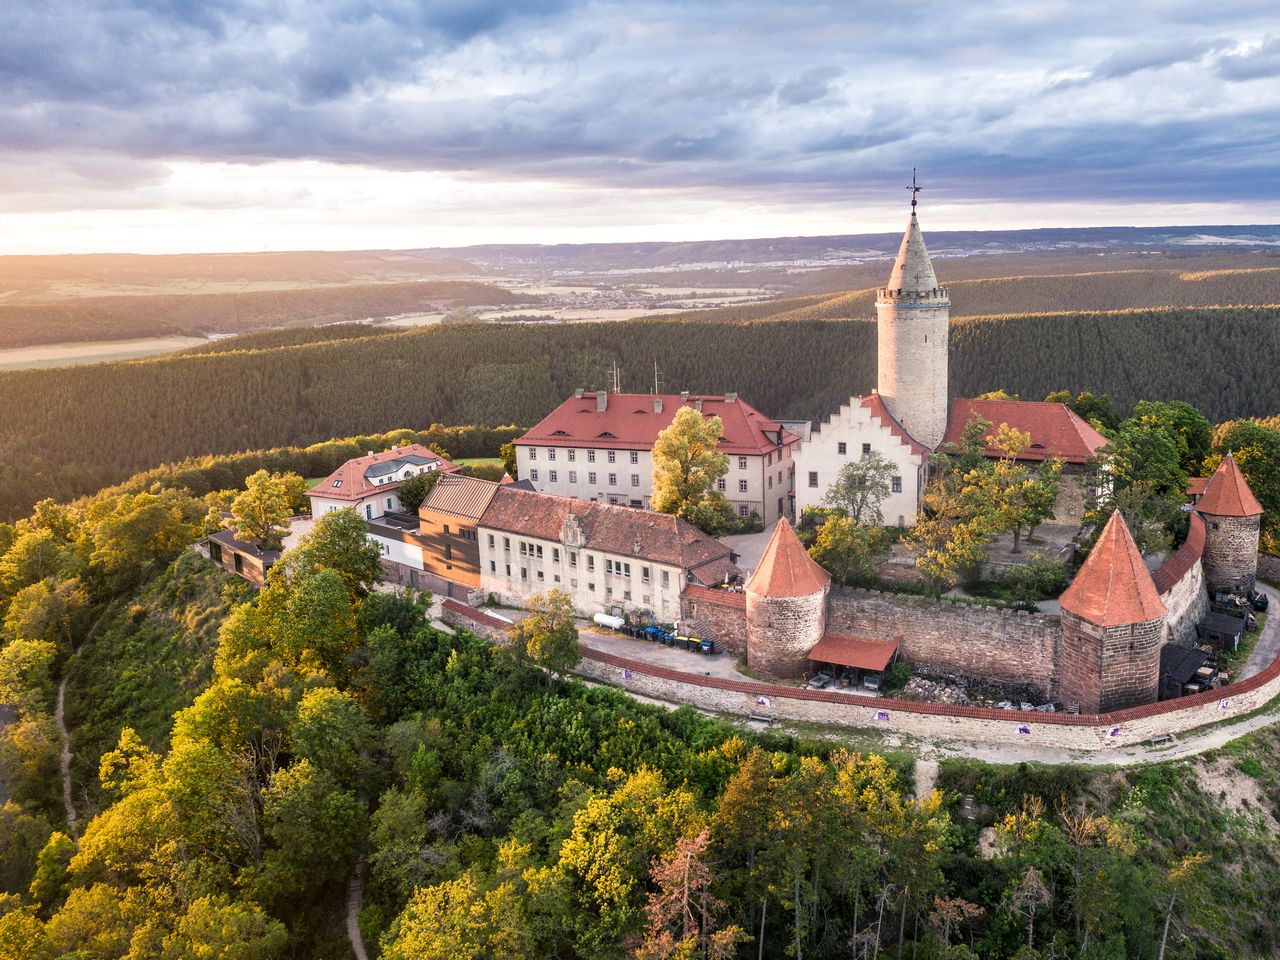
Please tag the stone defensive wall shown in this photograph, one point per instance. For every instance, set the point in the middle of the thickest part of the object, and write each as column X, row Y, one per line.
column 1180, row 580
column 1269, row 567
column 1100, row 731
column 722, row 612
column 1015, row 646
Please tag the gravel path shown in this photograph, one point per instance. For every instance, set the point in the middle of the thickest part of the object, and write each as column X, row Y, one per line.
column 1268, row 645
column 64, row 756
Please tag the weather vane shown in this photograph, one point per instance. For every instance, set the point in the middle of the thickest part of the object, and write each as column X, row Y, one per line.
column 914, row 188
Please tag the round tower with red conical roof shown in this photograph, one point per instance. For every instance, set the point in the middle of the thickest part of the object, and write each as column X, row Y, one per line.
column 1112, row 627
column 1232, row 516
column 786, row 606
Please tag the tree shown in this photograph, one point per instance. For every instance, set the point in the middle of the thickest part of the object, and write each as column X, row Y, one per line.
column 686, row 464
column 682, row 913
column 861, row 486
column 22, row 832
column 509, row 462
column 330, row 730
column 127, row 535
column 1142, row 476
column 849, row 551
column 1256, row 448
column 26, row 676
column 461, row 920
column 416, row 489
column 46, row 610
column 216, row 928
column 1177, row 418
column 260, row 514
column 1096, row 408
column 339, row 542
column 997, row 395
column 548, row 636
column 49, row 882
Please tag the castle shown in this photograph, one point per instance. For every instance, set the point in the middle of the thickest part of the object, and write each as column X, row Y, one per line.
column 1106, row 650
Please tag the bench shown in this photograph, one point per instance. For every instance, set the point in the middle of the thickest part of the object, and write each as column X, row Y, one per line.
column 767, row 718
column 1161, row 740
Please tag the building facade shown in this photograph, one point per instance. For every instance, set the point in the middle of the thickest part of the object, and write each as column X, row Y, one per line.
column 448, row 527
column 370, row 483
column 599, row 446
column 608, row 558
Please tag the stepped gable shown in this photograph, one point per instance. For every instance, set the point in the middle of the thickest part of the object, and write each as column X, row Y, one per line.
column 1228, row 493
column 1055, row 429
column 1113, row 586
column 786, row 569
column 912, row 269
column 875, row 403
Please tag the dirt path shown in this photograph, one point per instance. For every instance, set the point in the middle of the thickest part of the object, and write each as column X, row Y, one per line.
column 64, row 756
column 1268, row 645
column 355, row 903
column 926, row 778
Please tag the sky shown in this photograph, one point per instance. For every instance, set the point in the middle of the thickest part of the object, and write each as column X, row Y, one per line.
column 198, row 125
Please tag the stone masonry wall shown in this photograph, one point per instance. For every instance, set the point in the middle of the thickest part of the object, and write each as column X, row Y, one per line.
column 1231, row 553
column 1131, row 665
column 1180, row 580
column 1008, row 645
column 936, row 721
column 1080, row 663
column 911, row 352
column 1269, row 567
column 462, row 617
column 783, row 630
column 723, row 614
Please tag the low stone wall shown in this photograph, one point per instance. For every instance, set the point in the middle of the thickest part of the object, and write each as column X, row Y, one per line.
column 722, row 612
column 984, row 725
column 1269, row 567
column 462, row 617
column 1008, row 645
column 1180, row 581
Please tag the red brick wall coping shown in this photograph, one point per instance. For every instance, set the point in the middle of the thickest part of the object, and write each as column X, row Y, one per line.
column 470, row 613
column 1184, row 558
column 1115, row 718
column 722, row 598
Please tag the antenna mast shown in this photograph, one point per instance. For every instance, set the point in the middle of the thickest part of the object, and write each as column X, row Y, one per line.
column 657, row 379
column 617, row 378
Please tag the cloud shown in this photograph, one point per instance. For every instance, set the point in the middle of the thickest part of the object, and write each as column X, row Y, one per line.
column 1255, row 63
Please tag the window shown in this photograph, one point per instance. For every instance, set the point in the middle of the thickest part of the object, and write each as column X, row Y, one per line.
column 446, row 529
column 551, row 454
column 239, row 563
column 573, row 455
column 555, row 554
column 613, row 479
column 508, row 566
column 742, row 463
column 626, row 570
column 866, row 448
column 493, row 566
column 720, row 484
column 742, row 510
column 768, row 461
column 389, row 502
column 666, row 579
column 448, row 551
column 591, row 456
column 368, row 511
column 533, row 475
column 635, row 479
column 536, row 550
column 215, row 552
column 491, row 541
column 635, row 503
column 591, row 478
column 337, row 484
column 524, row 573
column 613, row 457
column 573, row 558
column 770, row 482
column 533, row 453
column 644, row 574
column 556, row 578
column 635, row 456
column 541, row 576
column 897, row 485
column 608, row 565
column 842, row 448
column 553, row 476
column 469, row 535
column 742, row 486
column 591, row 563
column 591, row 587
column 506, row 544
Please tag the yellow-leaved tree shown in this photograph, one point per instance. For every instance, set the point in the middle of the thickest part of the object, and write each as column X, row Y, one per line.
column 686, row 466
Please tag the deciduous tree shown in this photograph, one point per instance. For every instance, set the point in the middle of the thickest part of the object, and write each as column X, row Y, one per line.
column 686, row 463
column 861, row 486
column 260, row 514
column 548, row 636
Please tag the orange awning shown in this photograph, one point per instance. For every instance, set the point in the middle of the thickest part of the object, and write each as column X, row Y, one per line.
column 858, row 652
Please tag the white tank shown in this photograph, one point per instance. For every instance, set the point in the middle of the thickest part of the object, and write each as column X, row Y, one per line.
column 607, row 620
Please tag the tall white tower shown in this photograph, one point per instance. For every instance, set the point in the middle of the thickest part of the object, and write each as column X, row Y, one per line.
column 912, row 313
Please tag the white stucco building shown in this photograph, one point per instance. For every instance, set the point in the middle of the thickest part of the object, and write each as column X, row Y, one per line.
column 369, row 483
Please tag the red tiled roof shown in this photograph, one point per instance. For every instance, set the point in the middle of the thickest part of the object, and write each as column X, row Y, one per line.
column 629, row 422
column 349, row 482
column 1196, row 485
column 876, row 405
column 1113, row 586
column 624, row 531
column 1228, row 494
column 1183, row 559
column 858, row 652
column 1056, row 430
column 723, row 598
column 785, row 569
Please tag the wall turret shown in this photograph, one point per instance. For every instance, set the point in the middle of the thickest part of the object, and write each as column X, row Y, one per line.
column 912, row 314
column 1112, row 627
column 786, row 606
column 1232, row 517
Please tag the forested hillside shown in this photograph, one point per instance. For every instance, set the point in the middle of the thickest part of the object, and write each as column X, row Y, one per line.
column 322, row 731
column 66, row 432
column 200, row 314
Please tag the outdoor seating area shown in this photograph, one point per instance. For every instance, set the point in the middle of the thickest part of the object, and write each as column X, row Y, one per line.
column 853, row 663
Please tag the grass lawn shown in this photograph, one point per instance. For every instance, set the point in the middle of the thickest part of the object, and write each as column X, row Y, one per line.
column 313, row 482
column 479, row 461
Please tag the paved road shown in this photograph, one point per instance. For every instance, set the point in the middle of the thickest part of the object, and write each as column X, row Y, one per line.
column 1268, row 646
column 717, row 665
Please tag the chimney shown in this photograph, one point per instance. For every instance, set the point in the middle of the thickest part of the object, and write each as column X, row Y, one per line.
column 730, row 398
column 370, row 453
column 602, row 401
column 684, row 396
column 577, row 394
column 697, row 404
column 657, row 404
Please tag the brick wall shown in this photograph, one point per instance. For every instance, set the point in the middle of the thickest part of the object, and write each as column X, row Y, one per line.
column 783, row 630
column 984, row 725
column 1269, row 567
column 1180, row 581
column 462, row 617
column 1008, row 645
column 720, row 615
column 1231, row 553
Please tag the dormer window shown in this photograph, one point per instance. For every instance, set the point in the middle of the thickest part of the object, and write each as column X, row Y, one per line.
column 337, row 484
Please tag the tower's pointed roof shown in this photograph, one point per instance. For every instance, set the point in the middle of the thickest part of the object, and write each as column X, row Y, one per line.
column 1113, row 586
column 786, row 569
column 912, row 270
column 1228, row 493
